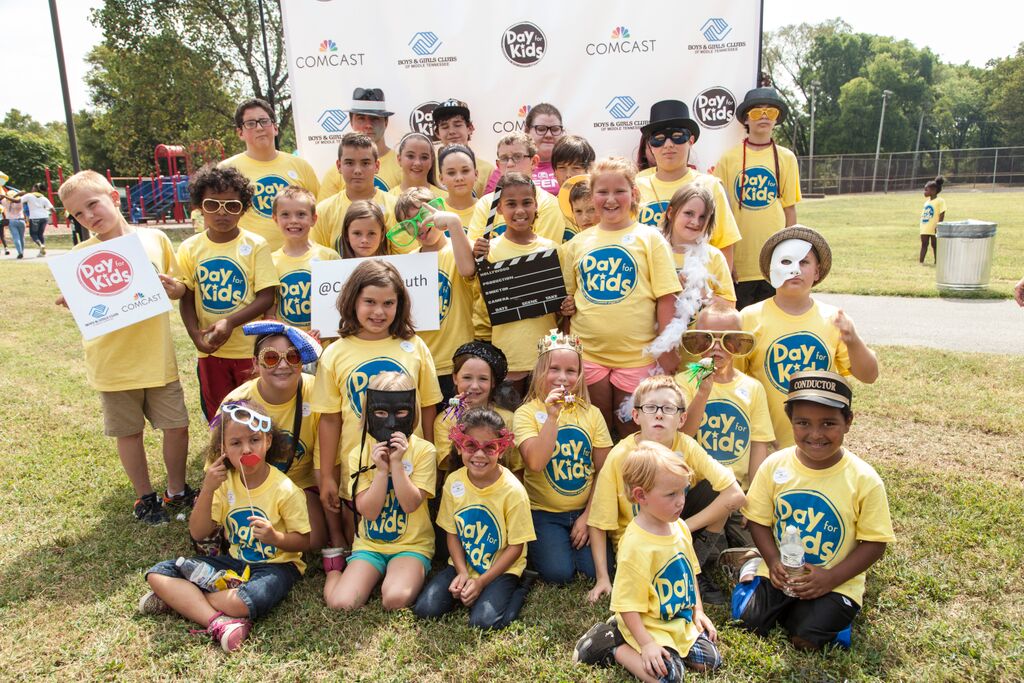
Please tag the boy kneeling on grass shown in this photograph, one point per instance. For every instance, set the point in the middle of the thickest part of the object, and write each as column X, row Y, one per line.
column 836, row 502
column 659, row 628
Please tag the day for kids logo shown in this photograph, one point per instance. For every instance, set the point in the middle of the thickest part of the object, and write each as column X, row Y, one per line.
column 607, row 274
column 674, row 586
column 222, row 285
column 293, row 292
column 820, row 525
column 240, row 535
column 714, row 108
column 421, row 118
column 724, row 431
column 793, row 353
column 523, row 44
column 424, row 45
column 444, row 294
column 513, row 125
column 715, row 30
column 652, row 213
column 480, row 535
column 391, row 523
column 569, row 469
column 621, row 43
column 267, row 188
column 300, row 450
column 327, row 55
column 761, row 189
column 928, row 213
column 361, row 376
column 104, row 273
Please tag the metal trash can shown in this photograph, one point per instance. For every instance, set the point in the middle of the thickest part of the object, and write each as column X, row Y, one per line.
column 963, row 256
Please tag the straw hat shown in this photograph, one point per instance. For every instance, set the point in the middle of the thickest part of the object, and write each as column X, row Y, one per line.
column 798, row 232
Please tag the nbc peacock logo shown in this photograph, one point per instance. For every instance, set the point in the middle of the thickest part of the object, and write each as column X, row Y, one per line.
column 328, row 45
column 620, row 32
column 524, row 110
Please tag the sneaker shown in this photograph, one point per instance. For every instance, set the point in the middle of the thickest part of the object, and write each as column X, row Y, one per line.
column 148, row 509
column 230, row 633
column 180, row 502
column 597, row 646
column 334, row 559
column 21, row 256
column 42, row 251
column 151, row 603
column 710, row 594
column 733, row 559
column 528, row 579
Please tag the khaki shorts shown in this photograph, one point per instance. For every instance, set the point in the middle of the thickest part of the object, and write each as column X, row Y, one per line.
column 125, row 412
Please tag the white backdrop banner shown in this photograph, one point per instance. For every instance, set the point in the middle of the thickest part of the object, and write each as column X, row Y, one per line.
column 601, row 63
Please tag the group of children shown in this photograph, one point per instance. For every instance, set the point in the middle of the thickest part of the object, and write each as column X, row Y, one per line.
column 649, row 406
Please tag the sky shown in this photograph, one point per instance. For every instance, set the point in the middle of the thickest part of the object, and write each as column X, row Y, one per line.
column 954, row 33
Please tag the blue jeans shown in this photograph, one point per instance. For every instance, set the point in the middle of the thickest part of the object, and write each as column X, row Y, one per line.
column 552, row 554
column 17, row 226
column 497, row 606
column 36, row 227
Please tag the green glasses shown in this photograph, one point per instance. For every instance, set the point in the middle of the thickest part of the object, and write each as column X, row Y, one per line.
column 406, row 232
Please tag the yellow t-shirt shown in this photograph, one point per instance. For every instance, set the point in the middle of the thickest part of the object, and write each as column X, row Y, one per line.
column 390, row 173
column 764, row 197
column 465, row 216
column 455, row 305
column 655, row 196
column 226, row 277
column 443, row 424
column 736, row 414
column 277, row 500
column 656, row 576
column 293, row 295
column 834, row 509
column 564, row 483
column 332, row 182
column 283, row 417
column 519, row 339
column 615, row 277
column 394, row 530
column 610, row 507
column 718, row 268
column 787, row 344
column 345, row 369
column 140, row 356
column 269, row 178
column 550, row 223
column 933, row 208
column 330, row 215
column 484, row 169
column 486, row 520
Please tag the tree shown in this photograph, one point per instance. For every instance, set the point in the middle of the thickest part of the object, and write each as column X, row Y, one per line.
column 25, row 157
column 959, row 115
column 1004, row 86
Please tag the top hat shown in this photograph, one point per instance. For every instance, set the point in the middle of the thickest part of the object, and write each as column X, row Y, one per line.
column 370, row 102
column 671, row 114
column 762, row 97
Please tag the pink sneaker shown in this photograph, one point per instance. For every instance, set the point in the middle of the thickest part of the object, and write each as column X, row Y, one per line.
column 229, row 632
column 334, row 559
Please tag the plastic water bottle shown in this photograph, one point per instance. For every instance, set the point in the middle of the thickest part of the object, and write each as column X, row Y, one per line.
column 792, row 549
column 199, row 573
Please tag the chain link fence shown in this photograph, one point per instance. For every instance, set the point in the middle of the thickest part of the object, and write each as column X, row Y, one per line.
column 994, row 167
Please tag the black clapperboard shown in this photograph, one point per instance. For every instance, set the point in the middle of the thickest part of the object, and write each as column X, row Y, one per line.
column 523, row 287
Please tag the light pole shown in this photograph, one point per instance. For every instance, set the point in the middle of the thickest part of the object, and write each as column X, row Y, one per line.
column 878, row 145
column 810, row 162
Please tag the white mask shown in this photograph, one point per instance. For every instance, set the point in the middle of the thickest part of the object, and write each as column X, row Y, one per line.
column 786, row 260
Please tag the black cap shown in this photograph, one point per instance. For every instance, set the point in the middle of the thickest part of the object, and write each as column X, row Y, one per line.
column 820, row 386
column 451, row 107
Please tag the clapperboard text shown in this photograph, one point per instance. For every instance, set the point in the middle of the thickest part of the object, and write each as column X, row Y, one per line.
column 524, row 287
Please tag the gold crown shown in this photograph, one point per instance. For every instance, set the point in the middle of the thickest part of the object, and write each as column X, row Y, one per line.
column 556, row 340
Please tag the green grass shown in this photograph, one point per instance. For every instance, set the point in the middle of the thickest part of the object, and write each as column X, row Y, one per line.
column 875, row 243
column 944, row 603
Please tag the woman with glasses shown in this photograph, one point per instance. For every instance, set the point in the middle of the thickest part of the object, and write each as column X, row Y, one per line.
column 544, row 125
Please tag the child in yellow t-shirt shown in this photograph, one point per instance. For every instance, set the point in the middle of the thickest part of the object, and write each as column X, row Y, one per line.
column 418, row 161
column 620, row 276
column 581, row 214
column 837, row 504
column 295, row 213
column 572, row 157
column 230, row 277
column 453, row 126
column 393, row 475
column 793, row 331
column 659, row 409
column 363, row 231
column 485, row 513
column 458, row 169
column 563, row 440
column 134, row 368
column 265, row 522
column 660, row 628
column 934, row 212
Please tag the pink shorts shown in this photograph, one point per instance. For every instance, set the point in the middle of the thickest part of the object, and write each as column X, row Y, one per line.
column 625, row 379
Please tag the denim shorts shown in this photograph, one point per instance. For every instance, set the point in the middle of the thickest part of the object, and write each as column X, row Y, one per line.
column 380, row 560
column 268, row 583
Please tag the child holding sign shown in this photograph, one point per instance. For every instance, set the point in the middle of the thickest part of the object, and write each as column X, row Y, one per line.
column 486, row 514
column 134, row 368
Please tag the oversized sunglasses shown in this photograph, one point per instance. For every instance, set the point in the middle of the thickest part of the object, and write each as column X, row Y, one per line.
column 270, row 358
column 756, row 113
column 678, row 137
column 466, row 443
column 406, row 232
column 735, row 342
column 257, row 422
column 231, row 206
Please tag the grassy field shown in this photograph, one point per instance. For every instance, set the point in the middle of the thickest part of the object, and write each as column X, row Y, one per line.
column 943, row 604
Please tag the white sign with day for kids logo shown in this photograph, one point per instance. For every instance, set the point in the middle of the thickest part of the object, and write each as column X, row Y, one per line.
column 418, row 271
column 110, row 285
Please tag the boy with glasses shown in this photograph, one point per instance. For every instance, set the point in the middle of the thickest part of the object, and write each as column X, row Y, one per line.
column 763, row 184
column 267, row 169
column 230, row 278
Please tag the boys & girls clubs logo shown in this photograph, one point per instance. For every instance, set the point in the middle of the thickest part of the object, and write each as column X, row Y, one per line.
column 327, row 55
column 622, row 42
column 621, row 108
column 715, row 30
column 423, row 45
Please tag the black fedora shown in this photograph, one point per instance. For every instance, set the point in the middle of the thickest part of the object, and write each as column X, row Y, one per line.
column 762, row 97
column 671, row 114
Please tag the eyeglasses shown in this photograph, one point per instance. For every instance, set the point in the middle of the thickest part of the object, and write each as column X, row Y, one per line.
column 250, row 418
column 770, row 113
column 470, row 445
column 554, row 130
column 406, row 232
column 231, row 206
column 271, row 358
column 678, row 137
column 735, row 342
column 667, row 411
column 251, row 124
column 511, row 159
